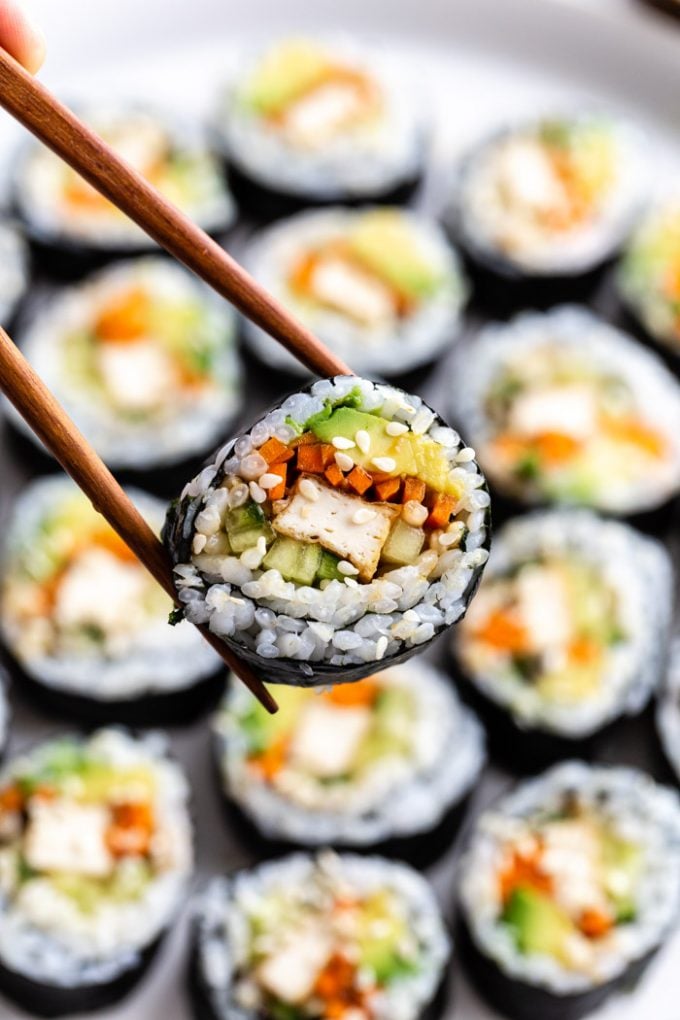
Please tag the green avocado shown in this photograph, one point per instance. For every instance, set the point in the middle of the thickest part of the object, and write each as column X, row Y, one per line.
column 623, row 862
column 380, row 933
column 383, row 241
column 538, row 924
column 286, row 73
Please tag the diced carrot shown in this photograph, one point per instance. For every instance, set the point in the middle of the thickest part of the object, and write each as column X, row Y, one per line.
column 129, row 833
column 637, row 433
column 303, row 273
column 327, row 454
column 270, row 762
column 334, row 475
column 502, row 631
column 108, row 539
column 584, row 650
column 353, row 695
column 275, row 452
column 11, row 799
column 304, row 439
column 125, row 319
column 555, row 448
column 335, row 985
column 359, row 480
column 442, row 511
column 595, row 923
column 524, row 869
column 387, row 489
column 279, row 491
column 309, row 459
column 414, row 489
column 44, row 792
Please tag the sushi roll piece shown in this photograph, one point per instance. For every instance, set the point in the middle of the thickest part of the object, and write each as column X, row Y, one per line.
column 386, row 763
column 5, row 713
column 539, row 207
column 310, row 121
column 85, row 627
column 14, row 275
column 570, row 885
column 345, row 529
column 567, row 634
column 668, row 714
column 95, row 858
column 380, row 287
column 562, row 408
column 357, row 938
column 649, row 275
column 73, row 228
column 143, row 358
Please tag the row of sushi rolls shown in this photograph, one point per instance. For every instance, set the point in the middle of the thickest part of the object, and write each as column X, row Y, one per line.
column 330, row 543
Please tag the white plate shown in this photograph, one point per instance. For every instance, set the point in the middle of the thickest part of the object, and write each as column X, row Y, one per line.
column 484, row 61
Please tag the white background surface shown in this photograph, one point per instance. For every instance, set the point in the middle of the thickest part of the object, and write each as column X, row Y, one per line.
column 485, row 60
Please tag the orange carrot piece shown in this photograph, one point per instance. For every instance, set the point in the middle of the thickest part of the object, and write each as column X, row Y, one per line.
column 327, row 454
column 305, row 439
column 502, row 631
column 11, row 799
column 274, row 451
column 270, row 761
column 555, row 448
column 524, row 870
column 637, row 433
column 130, row 830
column 279, row 491
column 361, row 693
column 584, row 650
column 309, row 459
column 126, row 318
column 387, row 489
column 334, row 475
column 108, row 539
column 443, row 507
column 359, row 480
column 595, row 923
column 414, row 489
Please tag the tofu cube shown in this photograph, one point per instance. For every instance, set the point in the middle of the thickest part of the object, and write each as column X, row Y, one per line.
column 327, row 739
column 290, row 973
column 65, row 836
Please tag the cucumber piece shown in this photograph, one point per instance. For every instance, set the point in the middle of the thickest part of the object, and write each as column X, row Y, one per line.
column 242, row 540
column 296, row 561
column 328, row 568
column 404, row 544
column 245, row 525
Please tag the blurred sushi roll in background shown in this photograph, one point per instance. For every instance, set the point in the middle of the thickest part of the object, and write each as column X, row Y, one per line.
column 85, row 627
column 310, row 121
column 563, row 408
column 14, row 276
column 73, row 228
column 381, row 287
column 568, row 632
column 548, row 202
column 5, row 714
column 333, row 936
column 668, row 712
column 386, row 763
column 346, row 528
column 568, row 888
column 95, row 858
column 142, row 356
column 649, row 274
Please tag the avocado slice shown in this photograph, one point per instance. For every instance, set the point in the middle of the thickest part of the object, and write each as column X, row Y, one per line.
column 380, row 932
column 538, row 924
column 286, row 72
column 623, row 862
column 383, row 241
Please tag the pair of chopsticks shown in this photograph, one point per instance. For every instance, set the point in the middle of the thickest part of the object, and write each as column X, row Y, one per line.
column 58, row 128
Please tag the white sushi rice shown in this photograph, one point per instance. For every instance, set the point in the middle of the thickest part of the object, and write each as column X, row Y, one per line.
column 398, row 796
column 158, row 660
column 641, row 811
column 637, row 569
column 384, row 348
column 367, row 161
column 46, row 939
column 668, row 709
column 591, row 341
column 222, row 930
column 176, row 431
column 482, row 212
column 345, row 623
column 14, row 278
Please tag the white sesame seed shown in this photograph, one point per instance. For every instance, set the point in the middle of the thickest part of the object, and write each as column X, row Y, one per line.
column 257, row 492
column 252, row 466
column 351, row 583
column 344, row 461
column 381, row 647
column 342, row 443
column 363, row 515
column 396, row 428
column 252, row 558
column 414, row 513
column 363, row 440
column 465, row 455
column 198, row 544
column 385, row 464
column 309, row 490
column 449, row 538
column 269, row 480
column 347, row 568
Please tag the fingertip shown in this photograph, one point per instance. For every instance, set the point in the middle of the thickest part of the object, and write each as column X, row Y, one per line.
column 21, row 37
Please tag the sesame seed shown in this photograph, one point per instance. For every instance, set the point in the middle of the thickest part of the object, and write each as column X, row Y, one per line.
column 381, row 647
column 396, row 428
column 449, row 538
column 344, row 461
column 351, row 583
column 363, row 440
column 257, row 492
column 385, row 464
column 342, row 443
column 198, row 544
column 465, row 455
column 414, row 513
column 363, row 515
column 269, row 480
column 309, row 490
column 347, row 568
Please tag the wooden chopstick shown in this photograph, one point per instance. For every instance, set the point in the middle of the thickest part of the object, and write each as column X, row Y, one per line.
column 58, row 128
column 53, row 426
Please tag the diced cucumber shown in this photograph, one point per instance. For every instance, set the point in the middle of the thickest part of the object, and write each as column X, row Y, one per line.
column 245, row 525
column 328, row 568
column 296, row 561
column 403, row 545
column 242, row 540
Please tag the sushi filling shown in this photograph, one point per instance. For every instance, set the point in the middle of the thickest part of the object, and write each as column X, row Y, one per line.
column 331, row 766
column 552, row 196
column 380, row 286
column 57, row 200
column 338, row 937
column 350, row 499
column 569, row 410
column 574, row 876
column 95, row 853
column 80, row 613
column 566, row 628
column 650, row 274
column 143, row 359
